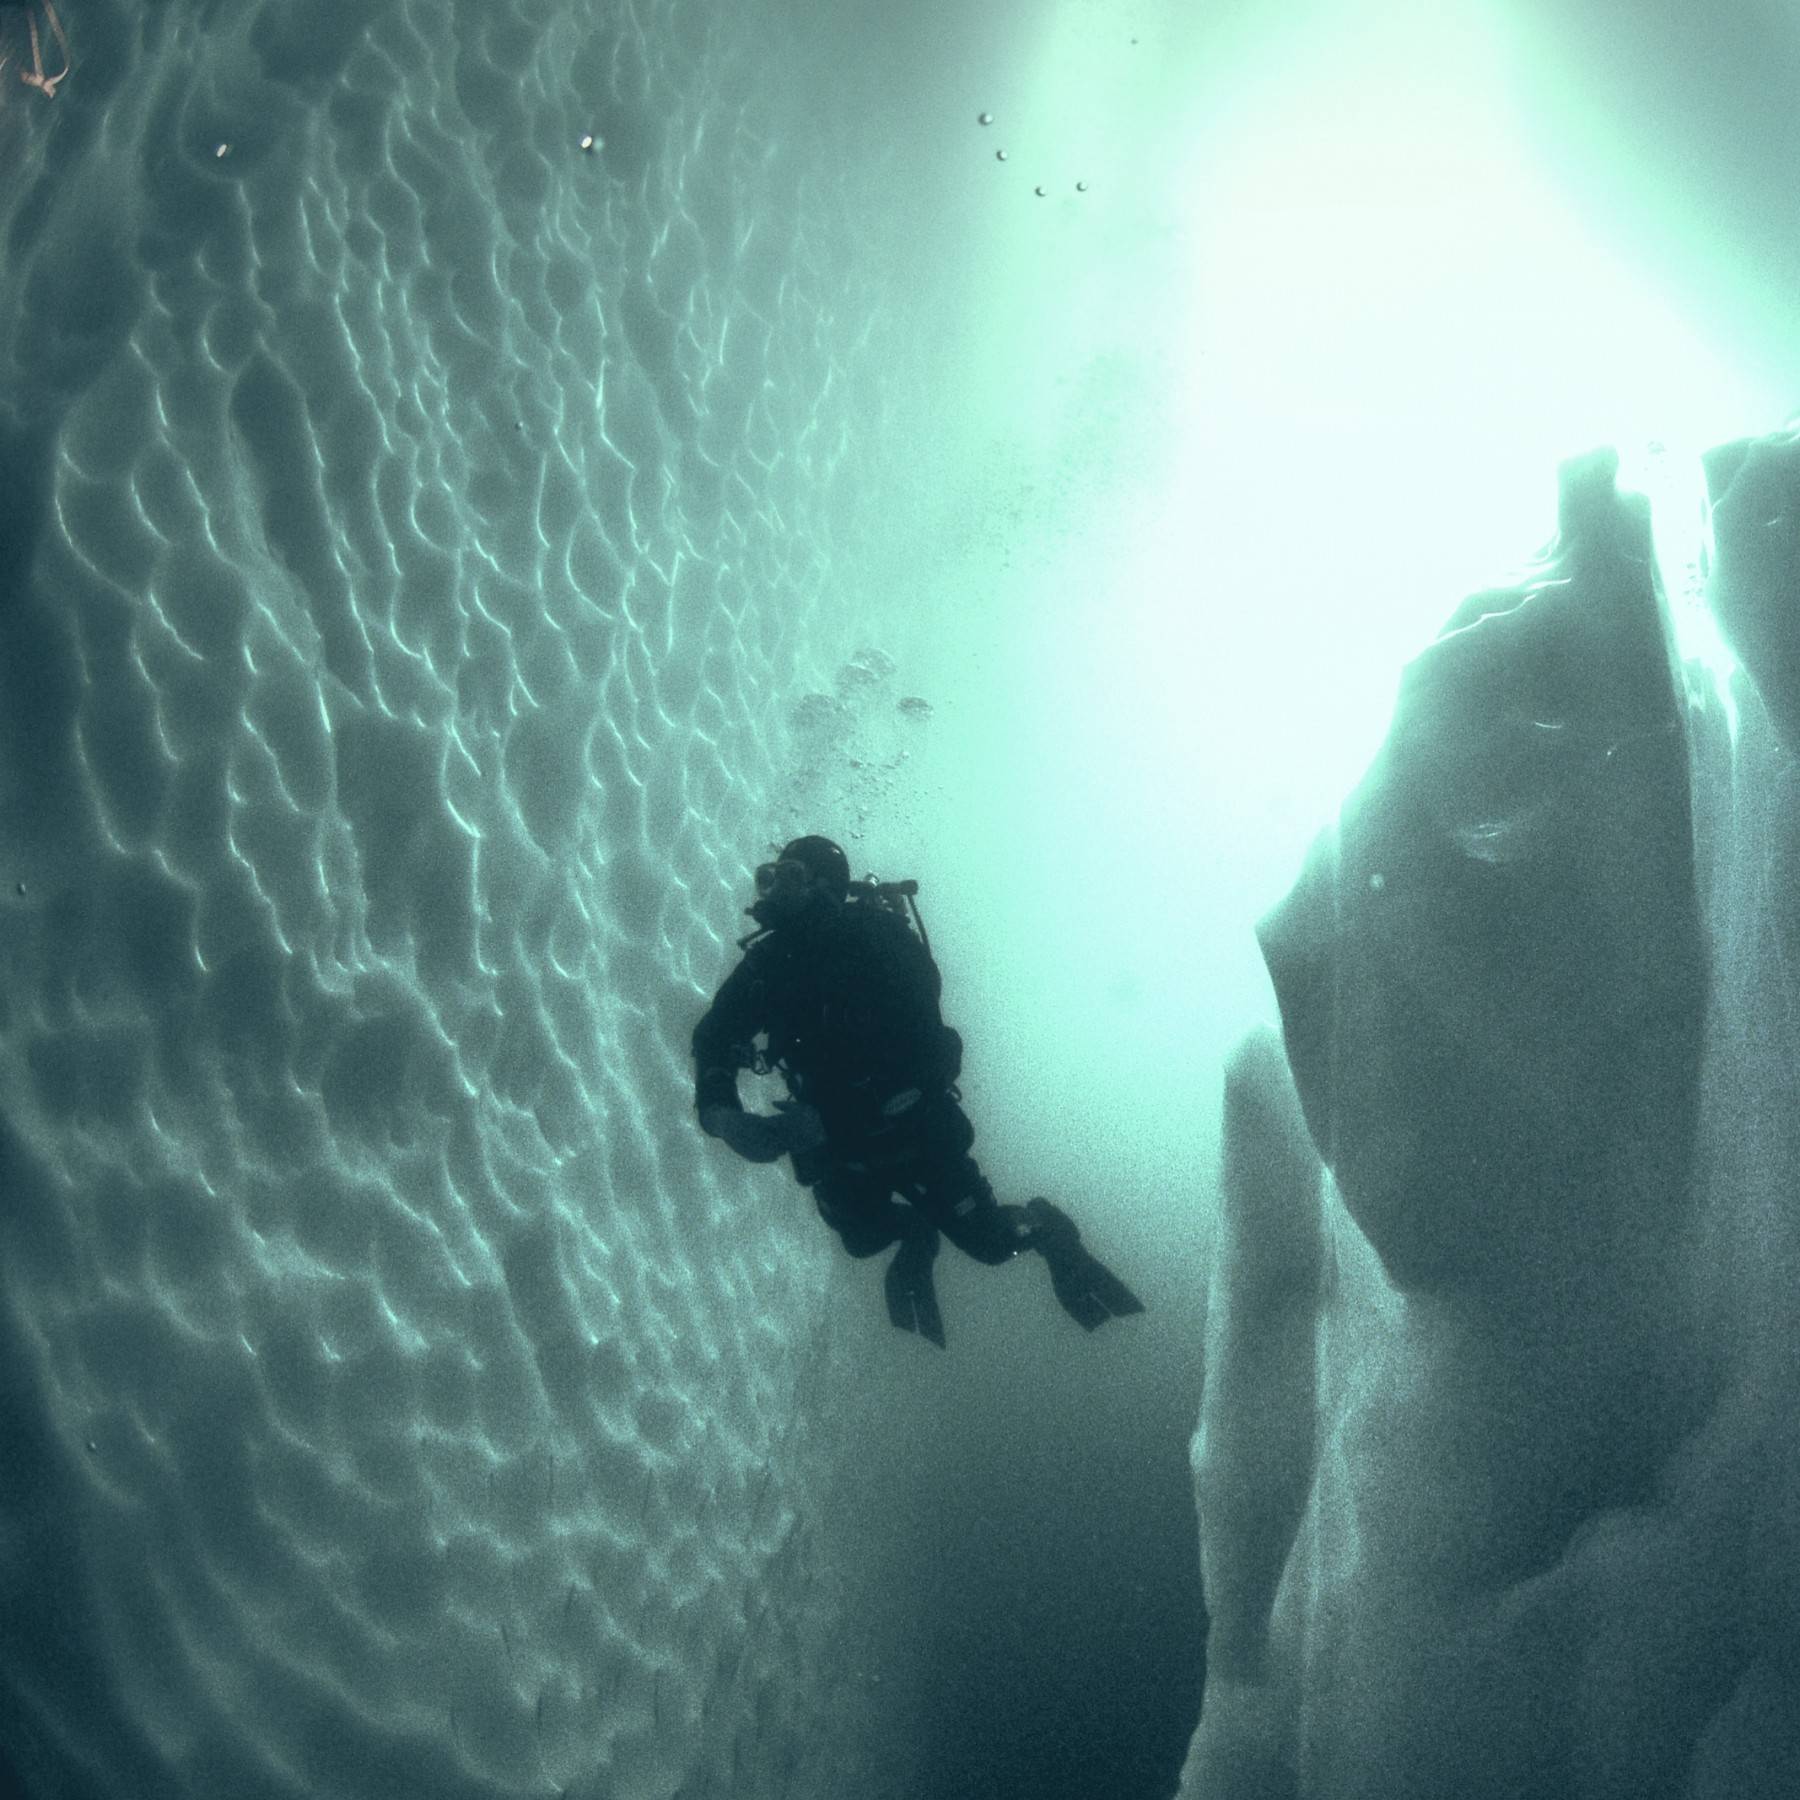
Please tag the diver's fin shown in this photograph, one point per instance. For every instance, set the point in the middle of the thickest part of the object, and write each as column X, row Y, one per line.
column 1088, row 1291
column 911, row 1296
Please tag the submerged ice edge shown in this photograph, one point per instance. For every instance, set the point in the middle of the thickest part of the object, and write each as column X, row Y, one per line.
column 1491, row 1443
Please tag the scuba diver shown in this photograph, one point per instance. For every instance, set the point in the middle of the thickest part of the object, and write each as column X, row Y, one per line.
column 846, row 996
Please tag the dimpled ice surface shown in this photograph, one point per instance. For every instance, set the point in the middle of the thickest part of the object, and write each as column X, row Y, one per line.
column 406, row 514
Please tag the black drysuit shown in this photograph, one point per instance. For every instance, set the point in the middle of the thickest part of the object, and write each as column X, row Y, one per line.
column 848, row 1000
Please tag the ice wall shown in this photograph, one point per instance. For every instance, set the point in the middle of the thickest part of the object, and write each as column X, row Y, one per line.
column 1496, row 1462
column 416, row 487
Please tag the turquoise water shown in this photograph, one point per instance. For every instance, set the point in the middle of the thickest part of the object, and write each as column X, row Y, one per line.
column 477, row 474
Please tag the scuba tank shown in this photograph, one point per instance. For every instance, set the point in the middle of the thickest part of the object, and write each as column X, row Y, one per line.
column 900, row 898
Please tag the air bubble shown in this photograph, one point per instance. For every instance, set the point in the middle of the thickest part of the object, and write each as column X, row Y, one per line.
column 999, row 156
column 1040, row 192
column 1081, row 187
column 985, row 119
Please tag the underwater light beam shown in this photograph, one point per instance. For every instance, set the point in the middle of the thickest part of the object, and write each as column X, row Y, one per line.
column 1396, row 324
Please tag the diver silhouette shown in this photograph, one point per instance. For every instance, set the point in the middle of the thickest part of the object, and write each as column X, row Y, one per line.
column 845, row 993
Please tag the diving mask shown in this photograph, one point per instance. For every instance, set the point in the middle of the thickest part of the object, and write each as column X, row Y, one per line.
column 783, row 889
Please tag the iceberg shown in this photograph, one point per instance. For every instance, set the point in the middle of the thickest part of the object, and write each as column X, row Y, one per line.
column 1496, row 1457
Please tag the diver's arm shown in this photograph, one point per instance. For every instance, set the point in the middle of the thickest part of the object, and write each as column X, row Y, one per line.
column 762, row 1137
column 752, row 1136
column 733, row 1020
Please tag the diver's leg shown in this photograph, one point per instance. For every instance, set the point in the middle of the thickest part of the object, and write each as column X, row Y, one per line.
column 1088, row 1291
column 954, row 1194
column 864, row 1214
column 958, row 1198
column 855, row 1202
column 911, row 1295
column 978, row 1224
column 856, row 1198
column 860, row 1207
